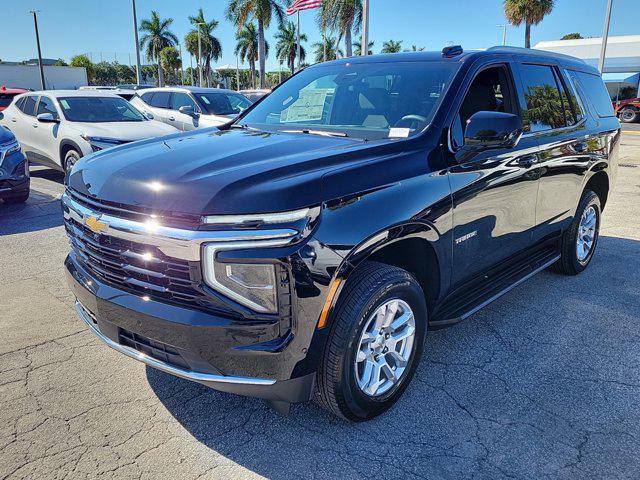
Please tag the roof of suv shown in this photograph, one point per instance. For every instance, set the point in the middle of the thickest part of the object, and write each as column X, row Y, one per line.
column 468, row 56
column 186, row 88
column 76, row 93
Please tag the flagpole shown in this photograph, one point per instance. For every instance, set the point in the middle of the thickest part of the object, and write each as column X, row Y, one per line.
column 299, row 60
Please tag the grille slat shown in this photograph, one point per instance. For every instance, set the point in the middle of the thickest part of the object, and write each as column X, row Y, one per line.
column 133, row 266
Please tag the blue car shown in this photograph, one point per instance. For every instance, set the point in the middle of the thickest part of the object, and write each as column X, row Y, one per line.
column 14, row 170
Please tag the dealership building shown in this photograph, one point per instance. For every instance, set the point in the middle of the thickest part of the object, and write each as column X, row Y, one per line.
column 622, row 62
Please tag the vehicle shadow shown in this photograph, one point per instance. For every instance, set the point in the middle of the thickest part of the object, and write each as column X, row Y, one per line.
column 521, row 380
column 48, row 174
column 40, row 212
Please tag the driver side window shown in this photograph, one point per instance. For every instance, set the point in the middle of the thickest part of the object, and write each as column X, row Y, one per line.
column 490, row 91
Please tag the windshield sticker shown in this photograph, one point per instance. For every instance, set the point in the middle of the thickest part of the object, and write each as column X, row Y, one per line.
column 64, row 104
column 399, row 132
column 308, row 107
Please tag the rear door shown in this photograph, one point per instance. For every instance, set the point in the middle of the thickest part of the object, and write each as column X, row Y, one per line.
column 157, row 103
column 554, row 118
column 494, row 191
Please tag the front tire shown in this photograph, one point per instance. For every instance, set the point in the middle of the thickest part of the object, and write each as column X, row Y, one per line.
column 375, row 342
column 629, row 115
column 581, row 238
column 70, row 159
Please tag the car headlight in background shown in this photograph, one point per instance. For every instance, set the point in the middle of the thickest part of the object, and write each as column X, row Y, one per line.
column 253, row 285
column 100, row 143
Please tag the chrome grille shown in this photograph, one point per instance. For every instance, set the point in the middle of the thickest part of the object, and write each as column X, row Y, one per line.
column 133, row 266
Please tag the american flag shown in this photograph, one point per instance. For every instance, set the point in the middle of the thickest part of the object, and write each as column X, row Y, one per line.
column 300, row 5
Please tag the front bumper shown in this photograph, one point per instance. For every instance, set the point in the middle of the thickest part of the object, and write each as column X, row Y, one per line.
column 197, row 346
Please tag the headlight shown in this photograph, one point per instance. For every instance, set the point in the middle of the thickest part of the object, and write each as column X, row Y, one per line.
column 100, row 143
column 13, row 149
column 250, row 284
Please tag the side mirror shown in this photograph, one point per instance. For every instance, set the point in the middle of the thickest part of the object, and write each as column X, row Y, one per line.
column 188, row 110
column 47, row 118
column 149, row 115
column 486, row 130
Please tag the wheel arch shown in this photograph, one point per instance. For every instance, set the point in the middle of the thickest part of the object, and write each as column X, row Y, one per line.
column 599, row 184
column 65, row 146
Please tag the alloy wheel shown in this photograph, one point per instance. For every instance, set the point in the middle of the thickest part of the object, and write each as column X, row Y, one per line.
column 586, row 234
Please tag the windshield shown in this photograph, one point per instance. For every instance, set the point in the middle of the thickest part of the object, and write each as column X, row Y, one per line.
column 370, row 101
column 222, row 103
column 99, row 110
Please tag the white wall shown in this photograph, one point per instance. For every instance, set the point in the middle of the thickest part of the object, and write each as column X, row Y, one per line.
column 28, row 76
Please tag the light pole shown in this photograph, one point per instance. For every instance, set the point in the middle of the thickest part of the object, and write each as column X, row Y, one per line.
column 135, row 38
column 504, row 33
column 298, row 40
column 181, row 66
column 605, row 36
column 364, row 48
column 35, row 24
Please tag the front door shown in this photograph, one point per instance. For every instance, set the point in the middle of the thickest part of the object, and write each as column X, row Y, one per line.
column 180, row 120
column 494, row 191
column 45, row 135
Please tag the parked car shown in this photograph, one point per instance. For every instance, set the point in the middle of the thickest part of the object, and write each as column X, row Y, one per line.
column 57, row 127
column 188, row 108
column 256, row 94
column 628, row 111
column 14, row 170
column 7, row 94
column 306, row 249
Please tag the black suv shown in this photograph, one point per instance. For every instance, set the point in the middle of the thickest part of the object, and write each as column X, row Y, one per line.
column 304, row 250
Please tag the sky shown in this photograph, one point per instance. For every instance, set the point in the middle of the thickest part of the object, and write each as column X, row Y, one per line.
column 104, row 29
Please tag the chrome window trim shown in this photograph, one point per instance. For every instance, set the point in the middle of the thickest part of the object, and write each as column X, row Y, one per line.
column 89, row 319
column 173, row 242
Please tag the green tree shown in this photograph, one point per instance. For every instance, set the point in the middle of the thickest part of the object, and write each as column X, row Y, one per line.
column 358, row 47
column 287, row 46
column 327, row 50
column 247, row 48
column 415, row 48
column 240, row 12
column 529, row 12
column 157, row 36
column 170, row 60
column 572, row 36
column 211, row 46
column 343, row 17
column 84, row 61
column 392, row 46
column 61, row 63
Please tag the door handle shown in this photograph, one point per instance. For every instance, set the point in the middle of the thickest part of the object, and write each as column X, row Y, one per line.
column 527, row 160
column 14, row 120
column 35, row 125
column 172, row 119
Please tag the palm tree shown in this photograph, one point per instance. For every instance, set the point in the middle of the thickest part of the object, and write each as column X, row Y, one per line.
column 392, row 46
column 240, row 12
column 247, row 48
column 157, row 36
column 529, row 12
column 327, row 50
column 415, row 48
column 358, row 47
column 211, row 47
column 170, row 61
column 342, row 17
column 287, row 46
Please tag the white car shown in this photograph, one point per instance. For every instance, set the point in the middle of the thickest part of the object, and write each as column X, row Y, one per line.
column 55, row 128
column 188, row 108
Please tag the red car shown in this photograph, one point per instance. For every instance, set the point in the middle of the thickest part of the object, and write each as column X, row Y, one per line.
column 628, row 111
column 7, row 94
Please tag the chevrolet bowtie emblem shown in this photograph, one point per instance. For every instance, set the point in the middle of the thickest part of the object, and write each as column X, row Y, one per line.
column 95, row 225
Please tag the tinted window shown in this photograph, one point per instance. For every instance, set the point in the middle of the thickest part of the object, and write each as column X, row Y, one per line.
column 574, row 98
column 366, row 100
column 570, row 118
column 181, row 99
column 6, row 99
column 160, row 100
column 222, row 103
column 146, row 97
column 99, row 109
column 46, row 106
column 543, row 101
column 597, row 93
column 28, row 106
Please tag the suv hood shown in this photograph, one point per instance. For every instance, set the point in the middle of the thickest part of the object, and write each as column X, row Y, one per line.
column 215, row 172
column 126, row 131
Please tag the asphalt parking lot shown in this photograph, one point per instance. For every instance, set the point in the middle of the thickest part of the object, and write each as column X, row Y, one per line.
column 545, row 382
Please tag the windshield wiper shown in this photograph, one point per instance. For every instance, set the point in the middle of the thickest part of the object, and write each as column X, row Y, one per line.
column 318, row 132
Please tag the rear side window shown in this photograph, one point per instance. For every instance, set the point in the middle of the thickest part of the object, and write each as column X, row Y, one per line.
column 596, row 92
column 544, row 109
column 160, row 100
column 28, row 106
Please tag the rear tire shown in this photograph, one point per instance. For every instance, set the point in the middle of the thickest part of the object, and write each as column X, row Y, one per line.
column 629, row 115
column 576, row 249
column 373, row 288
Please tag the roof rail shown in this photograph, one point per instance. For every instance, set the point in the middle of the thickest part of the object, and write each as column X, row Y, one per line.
column 452, row 51
column 534, row 51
